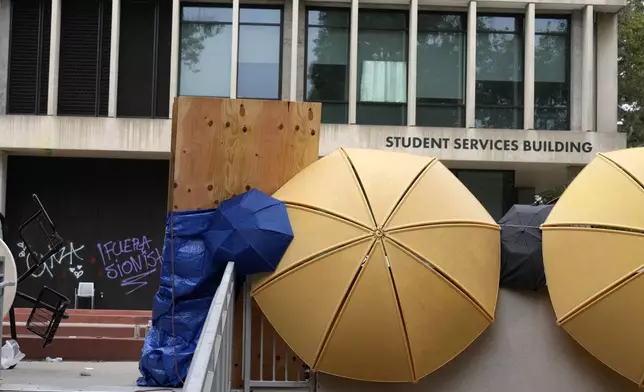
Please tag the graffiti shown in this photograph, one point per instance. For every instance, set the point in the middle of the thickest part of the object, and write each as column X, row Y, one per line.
column 130, row 260
column 67, row 255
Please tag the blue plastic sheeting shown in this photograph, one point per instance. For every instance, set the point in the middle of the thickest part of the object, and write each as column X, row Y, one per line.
column 165, row 360
column 253, row 230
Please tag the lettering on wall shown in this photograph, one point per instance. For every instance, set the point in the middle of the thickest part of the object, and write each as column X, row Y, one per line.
column 130, row 260
column 482, row 144
column 68, row 256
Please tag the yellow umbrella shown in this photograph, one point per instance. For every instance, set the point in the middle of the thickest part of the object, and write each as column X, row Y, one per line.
column 393, row 270
column 593, row 250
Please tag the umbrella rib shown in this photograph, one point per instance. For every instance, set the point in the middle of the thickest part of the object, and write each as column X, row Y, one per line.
column 328, row 212
column 400, row 313
column 361, row 187
column 623, row 170
column 420, row 174
column 445, row 276
column 443, row 224
column 340, row 309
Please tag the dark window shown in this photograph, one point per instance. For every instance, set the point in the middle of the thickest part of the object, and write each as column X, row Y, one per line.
column 206, row 43
column 440, row 83
column 494, row 189
column 382, row 67
column 29, row 57
column 499, row 72
column 84, row 73
column 144, row 58
column 260, row 53
column 327, row 62
column 552, row 74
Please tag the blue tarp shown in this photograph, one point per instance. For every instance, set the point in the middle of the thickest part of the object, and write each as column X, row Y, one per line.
column 165, row 360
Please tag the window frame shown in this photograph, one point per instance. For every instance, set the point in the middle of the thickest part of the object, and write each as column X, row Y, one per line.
column 281, row 45
column 307, row 26
column 519, row 31
column 404, row 105
column 568, row 70
column 463, row 31
column 181, row 22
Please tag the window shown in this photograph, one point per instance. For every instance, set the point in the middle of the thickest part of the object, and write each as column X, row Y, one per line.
column 260, row 53
column 144, row 58
column 551, row 74
column 499, row 72
column 494, row 189
column 206, row 39
column 29, row 57
column 327, row 62
column 84, row 69
column 440, row 83
column 382, row 67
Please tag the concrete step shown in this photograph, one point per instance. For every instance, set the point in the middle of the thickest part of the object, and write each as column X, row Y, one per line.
column 81, row 348
column 87, row 329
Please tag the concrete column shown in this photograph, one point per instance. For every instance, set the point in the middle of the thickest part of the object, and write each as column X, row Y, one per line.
column 575, row 104
column 528, row 76
column 588, row 70
column 5, row 17
column 114, row 57
column 353, row 62
column 470, row 90
column 174, row 51
column 607, row 71
column 54, row 58
column 412, row 63
column 295, row 20
column 3, row 182
column 234, row 53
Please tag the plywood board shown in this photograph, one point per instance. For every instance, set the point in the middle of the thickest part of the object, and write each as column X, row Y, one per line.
column 224, row 147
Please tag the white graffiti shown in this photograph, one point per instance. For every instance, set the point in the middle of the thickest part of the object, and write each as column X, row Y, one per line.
column 67, row 255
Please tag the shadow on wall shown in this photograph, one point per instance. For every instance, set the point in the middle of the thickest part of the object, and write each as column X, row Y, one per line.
column 522, row 351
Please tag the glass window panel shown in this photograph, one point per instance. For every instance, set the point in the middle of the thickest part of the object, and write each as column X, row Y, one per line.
column 433, row 21
column 208, row 14
column 260, row 15
column 551, row 94
column 552, row 119
column 499, row 93
column 327, row 64
column 329, row 18
column 499, row 118
column 440, row 116
column 382, row 66
column 547, row 25
column 381, row 114
column 497, row 23
column 388, row 20
column 205, row 59
column 550, row 58
column 441, row 66
column 499, row 57
column 488, row 187
column 259, row 62
column 335, row 113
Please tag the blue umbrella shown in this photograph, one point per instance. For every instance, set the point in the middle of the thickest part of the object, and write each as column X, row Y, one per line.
column 251, row 229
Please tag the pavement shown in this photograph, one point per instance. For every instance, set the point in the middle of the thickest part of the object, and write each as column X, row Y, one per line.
column 36, row 376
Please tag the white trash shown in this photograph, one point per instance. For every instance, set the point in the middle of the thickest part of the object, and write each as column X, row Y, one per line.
column 50, row 359
column 11, row 354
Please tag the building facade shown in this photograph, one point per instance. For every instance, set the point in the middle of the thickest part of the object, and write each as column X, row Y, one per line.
column 514, row 96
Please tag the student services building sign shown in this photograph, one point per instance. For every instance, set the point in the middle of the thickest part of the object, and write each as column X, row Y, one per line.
column 460, row 144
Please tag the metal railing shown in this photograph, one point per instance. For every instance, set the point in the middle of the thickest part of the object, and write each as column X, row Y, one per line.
column 210, row 370
column 278, row 365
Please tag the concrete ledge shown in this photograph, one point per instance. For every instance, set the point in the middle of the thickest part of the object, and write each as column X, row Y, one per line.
column 150, row 138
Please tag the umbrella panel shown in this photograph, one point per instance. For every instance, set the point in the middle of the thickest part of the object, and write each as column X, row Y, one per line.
column 302, row 303
column 467, row 253
column 612, row 328
column 616, row 199
column 440, row 320
column 629, row 160
column 582, row 263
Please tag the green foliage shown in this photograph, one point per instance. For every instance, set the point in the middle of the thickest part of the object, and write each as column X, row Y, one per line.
column 631, row 72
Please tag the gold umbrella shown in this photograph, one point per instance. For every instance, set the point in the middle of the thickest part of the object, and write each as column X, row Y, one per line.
column 393, row 271
column 593, row 251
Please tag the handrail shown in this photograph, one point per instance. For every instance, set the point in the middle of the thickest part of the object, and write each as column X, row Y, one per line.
column 210, row 370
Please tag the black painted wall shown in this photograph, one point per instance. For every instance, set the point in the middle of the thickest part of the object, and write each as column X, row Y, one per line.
column 111, row 213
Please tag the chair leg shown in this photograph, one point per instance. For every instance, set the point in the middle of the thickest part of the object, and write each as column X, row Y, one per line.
column 92, row 302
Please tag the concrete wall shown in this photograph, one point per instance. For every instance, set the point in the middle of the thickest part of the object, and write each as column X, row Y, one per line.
column 523, row 351
column 5, row 17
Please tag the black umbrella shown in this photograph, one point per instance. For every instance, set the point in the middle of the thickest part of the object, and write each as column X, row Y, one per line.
column 521, row 257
